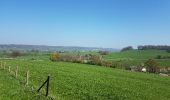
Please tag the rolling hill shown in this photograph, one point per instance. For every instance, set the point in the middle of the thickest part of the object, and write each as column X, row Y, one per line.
column 80, row 81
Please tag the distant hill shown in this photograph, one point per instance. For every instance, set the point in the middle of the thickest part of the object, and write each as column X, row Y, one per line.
column 51, row 48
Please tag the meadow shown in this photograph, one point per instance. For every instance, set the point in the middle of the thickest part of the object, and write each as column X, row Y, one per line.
column 80, row 81
column 13, row 89
column 74, row 81
column 136, row 57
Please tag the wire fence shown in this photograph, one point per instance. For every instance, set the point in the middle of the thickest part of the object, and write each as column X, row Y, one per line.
column 25, row 79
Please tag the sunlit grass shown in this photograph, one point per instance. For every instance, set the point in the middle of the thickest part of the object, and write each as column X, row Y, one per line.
column 80, row 81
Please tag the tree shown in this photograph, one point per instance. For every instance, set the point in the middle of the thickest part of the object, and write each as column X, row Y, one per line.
column 127, row 48
column 96, row 60
column 16, row 53
column 55, row 57
column 155, row 47
column 158, row 57
column 168, row 50
column 152, row 66
column 103, row 52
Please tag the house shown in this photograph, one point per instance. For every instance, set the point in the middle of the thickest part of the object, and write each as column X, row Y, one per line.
column 134, row 68
column 138, row 69
column 163, row 70
column 144, row 69
column 168, row 69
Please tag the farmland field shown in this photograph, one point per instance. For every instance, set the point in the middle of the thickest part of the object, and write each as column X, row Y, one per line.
column 84, row 50
column 136, row 57
column 80, row 81
column 11, row 89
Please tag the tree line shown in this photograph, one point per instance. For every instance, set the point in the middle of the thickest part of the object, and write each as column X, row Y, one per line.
column 148, row 47
column 157, row 47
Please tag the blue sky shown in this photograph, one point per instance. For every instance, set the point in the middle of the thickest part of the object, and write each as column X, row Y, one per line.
column 93, row 23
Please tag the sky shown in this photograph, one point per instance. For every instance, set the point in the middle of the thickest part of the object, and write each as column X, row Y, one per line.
column 88, row 23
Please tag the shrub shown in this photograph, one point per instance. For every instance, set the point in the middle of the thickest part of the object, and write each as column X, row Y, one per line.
column 152, row 66
column 162, row 57
column 88, row 59
column 136, row 68
column 127, row 67
column 16, row 53
column 108, row 64
column 158, row 57
column 103, row 52
column 96, row 60
column 55, row 57
column 127, row 48
column 122, row 65
column 168, row 50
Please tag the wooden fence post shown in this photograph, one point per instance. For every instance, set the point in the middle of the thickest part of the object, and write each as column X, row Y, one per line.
column 4, row 65
column 27, row 77
column 1, row 64
column 9, row 69
column 47, row 87
column 16, row 72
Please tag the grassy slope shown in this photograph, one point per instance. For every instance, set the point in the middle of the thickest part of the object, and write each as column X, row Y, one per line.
column 139, row 56
column 11, row 89
column 79, row 81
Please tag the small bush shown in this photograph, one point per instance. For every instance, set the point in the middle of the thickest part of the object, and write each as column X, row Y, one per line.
column 162, row 57
column 55, row 57
column 127, row 48
column 108, row 64
column 127, row 67
column 152, row 66
column 103, row 52
column 88, row 59
column 16, row 53
column 168, row 50
column 158, row 57
column 96, row 60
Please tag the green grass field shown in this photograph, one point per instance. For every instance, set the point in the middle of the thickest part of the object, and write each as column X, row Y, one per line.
column 71, row 81
column 136, row 57
column 12, row 89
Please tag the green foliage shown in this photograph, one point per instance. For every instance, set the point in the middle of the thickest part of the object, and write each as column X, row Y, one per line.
column 96, row 60
column 88, row 82
column 158, row 57
column 162, row 57
column 154, row 47
column 136, row 57
column 103, row 52
column 127, row 48
column 168, row 51
column 89, row 59
column 12, row 89
column 109, row 64
column 82, row 81
column 152, row 66
column 16, row 53
column 55, row 57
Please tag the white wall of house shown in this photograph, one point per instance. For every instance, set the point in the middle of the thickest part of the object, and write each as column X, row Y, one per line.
column 143, row 69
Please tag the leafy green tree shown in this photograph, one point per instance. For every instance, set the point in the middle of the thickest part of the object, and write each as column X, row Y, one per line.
column 152, row 66
column 158, row 57
column 127, row 48
column 16, row 53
